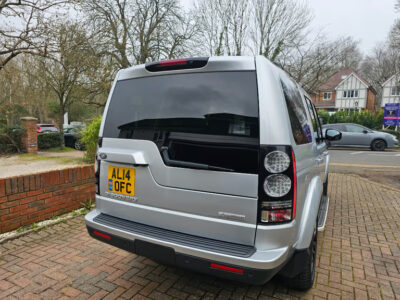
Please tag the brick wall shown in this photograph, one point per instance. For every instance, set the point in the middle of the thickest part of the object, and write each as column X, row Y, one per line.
column 33, row 198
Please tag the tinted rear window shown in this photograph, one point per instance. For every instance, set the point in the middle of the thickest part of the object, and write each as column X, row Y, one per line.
column 207, row 118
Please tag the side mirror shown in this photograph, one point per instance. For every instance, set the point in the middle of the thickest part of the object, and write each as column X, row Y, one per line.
column 333, row 135
column 365, row 131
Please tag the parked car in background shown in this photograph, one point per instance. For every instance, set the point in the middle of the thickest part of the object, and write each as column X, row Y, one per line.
column 354, row 135
column 72, row 138
column 213, row 164
column 44, row 128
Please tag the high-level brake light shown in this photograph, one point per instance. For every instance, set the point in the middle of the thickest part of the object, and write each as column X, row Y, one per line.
column 177, row 64
column 173, row 62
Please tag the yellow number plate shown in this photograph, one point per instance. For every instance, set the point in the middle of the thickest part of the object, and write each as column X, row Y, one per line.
column 121, row 180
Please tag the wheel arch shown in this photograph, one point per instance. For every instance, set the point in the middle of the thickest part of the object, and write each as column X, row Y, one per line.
column 309, row 214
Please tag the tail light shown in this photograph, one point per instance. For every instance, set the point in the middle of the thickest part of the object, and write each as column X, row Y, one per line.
column 277, row 185
column 39, row 129
column 97, row 174
column 177, row 64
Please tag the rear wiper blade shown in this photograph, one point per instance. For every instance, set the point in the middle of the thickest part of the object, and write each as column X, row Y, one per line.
column 188, row 164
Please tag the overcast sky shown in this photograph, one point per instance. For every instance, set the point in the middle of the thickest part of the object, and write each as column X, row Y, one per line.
column 368, row 21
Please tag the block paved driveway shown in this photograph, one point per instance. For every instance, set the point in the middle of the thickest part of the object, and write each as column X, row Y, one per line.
column 358, row 258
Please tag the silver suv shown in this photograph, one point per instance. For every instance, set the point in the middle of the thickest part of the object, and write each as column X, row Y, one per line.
column 216, row 165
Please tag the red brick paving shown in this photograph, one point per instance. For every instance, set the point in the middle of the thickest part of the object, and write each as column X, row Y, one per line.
column 358, row 258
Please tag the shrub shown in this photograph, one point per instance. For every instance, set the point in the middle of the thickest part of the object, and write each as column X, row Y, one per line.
column 373, row 120
column 11, row 139
column 90, row 138
column 49, row 140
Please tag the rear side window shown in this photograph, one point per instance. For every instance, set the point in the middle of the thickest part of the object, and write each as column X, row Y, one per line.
column 205, row 118
column 315, row 121
column 297, row 112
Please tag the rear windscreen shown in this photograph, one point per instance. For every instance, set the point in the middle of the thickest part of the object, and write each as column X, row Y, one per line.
column 204, row 118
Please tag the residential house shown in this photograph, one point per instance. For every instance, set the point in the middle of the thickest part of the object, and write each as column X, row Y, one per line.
column 345, row 90
column 391, row 90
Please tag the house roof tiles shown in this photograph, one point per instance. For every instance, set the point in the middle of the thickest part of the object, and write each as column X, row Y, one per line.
column 338, row 77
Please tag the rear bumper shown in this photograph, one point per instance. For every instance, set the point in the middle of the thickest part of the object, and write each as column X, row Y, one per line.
column 256, row 267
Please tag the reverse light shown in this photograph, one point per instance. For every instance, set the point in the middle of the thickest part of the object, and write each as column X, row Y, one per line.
column 276, row 162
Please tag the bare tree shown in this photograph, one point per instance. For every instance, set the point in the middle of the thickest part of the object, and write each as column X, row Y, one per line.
column 278, row 25
column 312, row 63
column 135, row 31
column 64, row 72
column 22, row 22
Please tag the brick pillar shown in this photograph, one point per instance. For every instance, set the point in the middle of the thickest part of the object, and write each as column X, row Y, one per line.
column 30, row 140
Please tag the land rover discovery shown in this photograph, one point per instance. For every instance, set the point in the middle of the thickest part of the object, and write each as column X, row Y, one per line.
column 213, row 164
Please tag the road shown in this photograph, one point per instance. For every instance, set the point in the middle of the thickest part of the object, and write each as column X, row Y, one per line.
column 383, row 167
column 365, row 158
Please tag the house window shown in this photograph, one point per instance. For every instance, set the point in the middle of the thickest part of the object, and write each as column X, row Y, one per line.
column 350, row 94
column 396, row 91
column 327, row 95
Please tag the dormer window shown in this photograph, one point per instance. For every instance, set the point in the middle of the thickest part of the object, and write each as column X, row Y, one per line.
column 327, row 96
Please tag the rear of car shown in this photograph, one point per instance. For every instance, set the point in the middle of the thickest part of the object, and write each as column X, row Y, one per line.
column 44, row 128
column 196, row 167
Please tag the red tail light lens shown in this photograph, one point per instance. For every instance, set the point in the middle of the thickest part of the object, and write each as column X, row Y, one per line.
column 273, row 216
column 294, row 185
column 39, row 129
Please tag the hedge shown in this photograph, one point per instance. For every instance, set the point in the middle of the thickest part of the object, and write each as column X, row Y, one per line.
column 11, row 139
column 49, row 140
column 366, row 118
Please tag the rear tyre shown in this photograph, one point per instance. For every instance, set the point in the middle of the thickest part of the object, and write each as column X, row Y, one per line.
column 378, row 145
column 77, row 145
column 305, row 280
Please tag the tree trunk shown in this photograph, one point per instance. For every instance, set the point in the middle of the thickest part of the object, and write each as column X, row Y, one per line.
column 60, row 122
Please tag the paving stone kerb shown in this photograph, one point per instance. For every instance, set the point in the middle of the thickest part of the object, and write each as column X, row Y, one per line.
column 358, row 258
column 32, row 198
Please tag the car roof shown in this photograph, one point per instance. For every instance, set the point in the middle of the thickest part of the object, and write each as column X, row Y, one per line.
column 214, row 64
